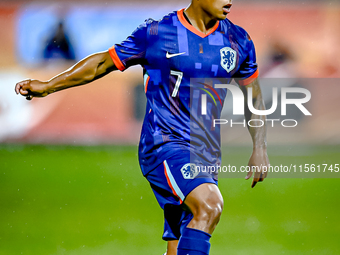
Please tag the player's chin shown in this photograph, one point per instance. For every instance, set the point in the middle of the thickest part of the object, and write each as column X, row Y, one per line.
column 222, row 16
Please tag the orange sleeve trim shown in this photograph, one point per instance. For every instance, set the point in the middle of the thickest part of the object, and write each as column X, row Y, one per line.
column 249, row 80
column 191, row 28
column 146, row 84
column 116, row 60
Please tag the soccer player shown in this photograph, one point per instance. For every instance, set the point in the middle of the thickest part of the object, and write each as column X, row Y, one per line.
column 177, row 134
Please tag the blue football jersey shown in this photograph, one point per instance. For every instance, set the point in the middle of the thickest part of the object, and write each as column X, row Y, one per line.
column 180, row 64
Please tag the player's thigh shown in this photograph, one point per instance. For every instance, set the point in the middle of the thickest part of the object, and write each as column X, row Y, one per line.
column 205, row 199
column 172, row 181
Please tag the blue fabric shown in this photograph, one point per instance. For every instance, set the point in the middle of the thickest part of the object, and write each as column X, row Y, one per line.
column 193, row 242
column 173, row 119
column 175, row 217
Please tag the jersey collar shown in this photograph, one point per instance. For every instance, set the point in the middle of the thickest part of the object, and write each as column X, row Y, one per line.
column 190, row 27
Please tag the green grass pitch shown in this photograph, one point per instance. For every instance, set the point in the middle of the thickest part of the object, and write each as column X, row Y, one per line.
column 94, row 200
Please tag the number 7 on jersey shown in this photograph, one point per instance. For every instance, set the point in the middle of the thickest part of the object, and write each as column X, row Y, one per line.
column 178, row 82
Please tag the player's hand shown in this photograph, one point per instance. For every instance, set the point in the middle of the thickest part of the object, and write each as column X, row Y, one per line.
column 258, row 159
column 31, row 88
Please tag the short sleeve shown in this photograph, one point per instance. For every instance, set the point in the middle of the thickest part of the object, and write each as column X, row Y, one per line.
column 132, row 50
column 248, row 70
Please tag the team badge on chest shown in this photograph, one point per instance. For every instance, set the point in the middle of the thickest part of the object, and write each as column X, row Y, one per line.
column 228, row 59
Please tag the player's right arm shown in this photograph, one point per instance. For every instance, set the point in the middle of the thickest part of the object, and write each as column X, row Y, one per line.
column 85, row 71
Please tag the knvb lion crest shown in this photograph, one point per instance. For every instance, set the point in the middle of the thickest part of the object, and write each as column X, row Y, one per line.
column 189, row 171
column 228, row 59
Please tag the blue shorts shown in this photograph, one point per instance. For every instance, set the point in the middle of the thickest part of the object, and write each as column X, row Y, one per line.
column 171, row 182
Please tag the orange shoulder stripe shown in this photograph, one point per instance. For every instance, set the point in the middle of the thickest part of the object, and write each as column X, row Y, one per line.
column 116, row 60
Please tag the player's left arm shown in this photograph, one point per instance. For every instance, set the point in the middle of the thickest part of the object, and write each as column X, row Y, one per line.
column 258, row 161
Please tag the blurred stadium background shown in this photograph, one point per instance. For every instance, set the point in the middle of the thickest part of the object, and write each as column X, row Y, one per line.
column 69, row 176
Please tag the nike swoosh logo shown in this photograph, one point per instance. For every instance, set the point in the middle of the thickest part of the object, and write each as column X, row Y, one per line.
column 168, row 55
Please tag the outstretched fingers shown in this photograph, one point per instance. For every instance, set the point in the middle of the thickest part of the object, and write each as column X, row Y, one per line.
column 263, row 174
column 250, row 173
column 257, row 177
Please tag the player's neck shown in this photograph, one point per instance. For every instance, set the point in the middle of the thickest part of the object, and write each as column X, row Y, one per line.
column 199, row 19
